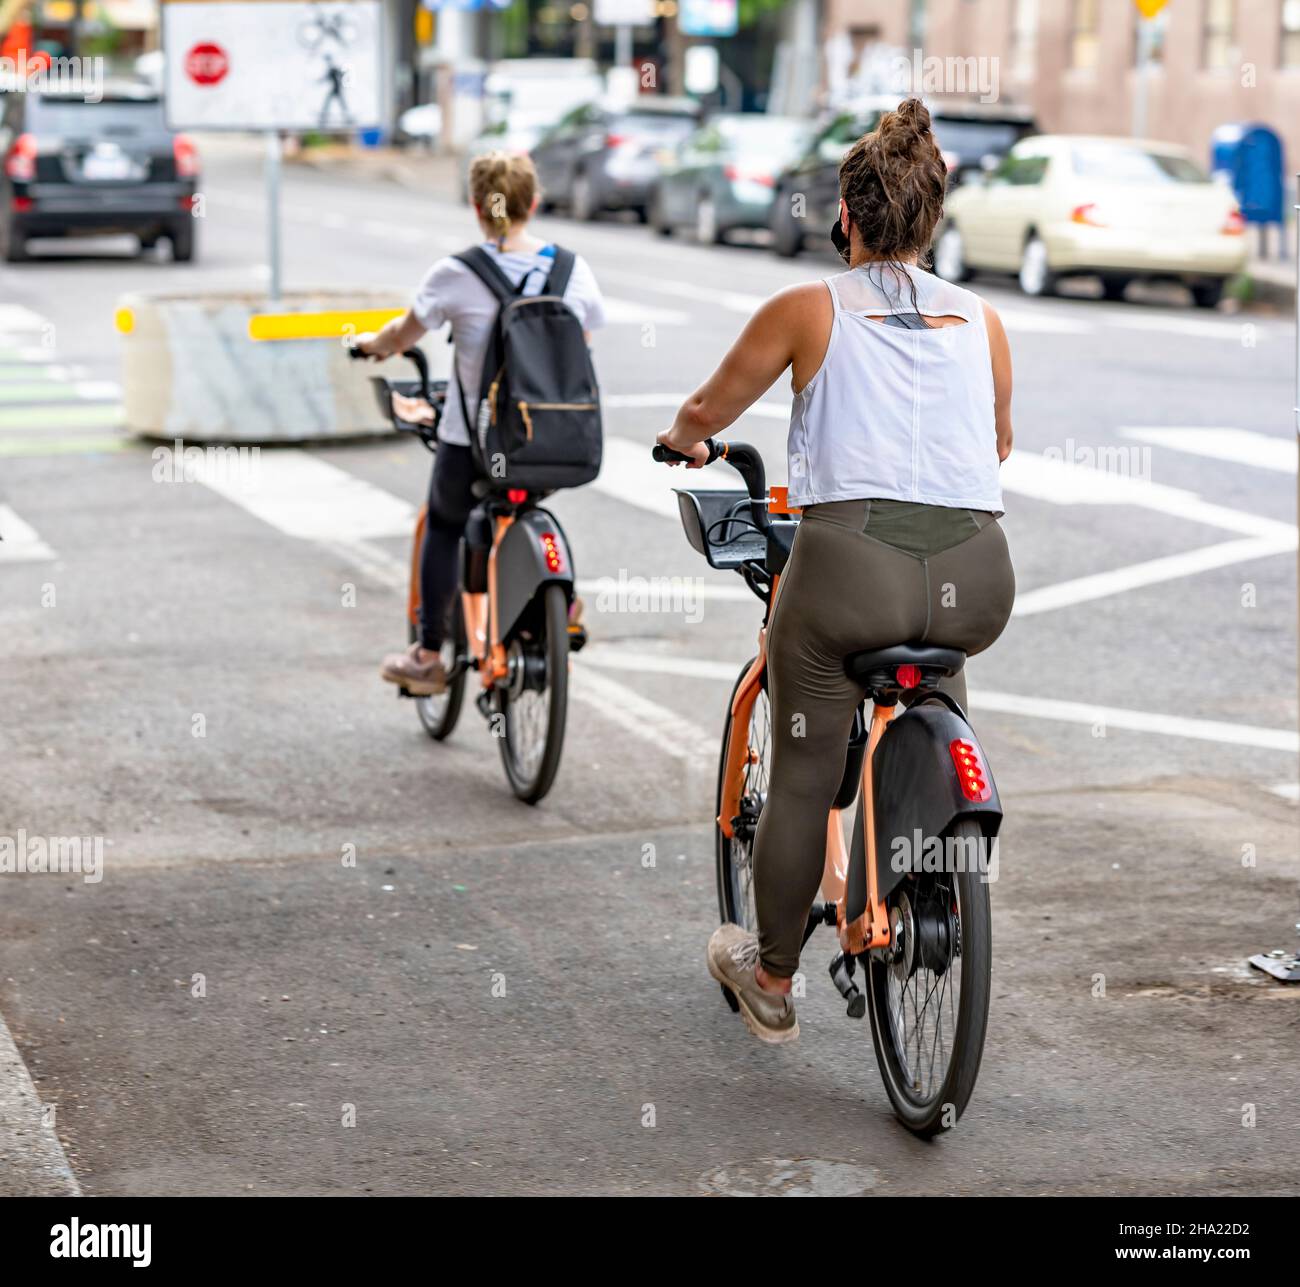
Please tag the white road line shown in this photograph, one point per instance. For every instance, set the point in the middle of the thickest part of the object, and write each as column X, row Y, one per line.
column 1241, row 446
column 730, row 300
column 35, row 1163
column 671, row 401
column 1101, row 585
column 19, row 542
column 1201, row 327
column 611, row 657
column 1032, row 321
column 1287, row 790
column 668, row 732
column 15, row 318
column 307, row 497
column 626, row 312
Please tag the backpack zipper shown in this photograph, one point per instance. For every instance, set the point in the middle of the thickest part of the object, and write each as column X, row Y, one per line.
column 526, row 407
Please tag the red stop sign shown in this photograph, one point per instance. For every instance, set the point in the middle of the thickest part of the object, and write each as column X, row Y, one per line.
column 206, row 63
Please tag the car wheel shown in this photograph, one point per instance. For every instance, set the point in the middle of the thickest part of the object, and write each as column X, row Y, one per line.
column 657, row 219
column 181, row 236
column 707, row 232
column 1114, row 287
column 1036, row 275
column 580, row 198
column 787, row 235
column 1208, row 294
column 950, row 255
column 14, row 244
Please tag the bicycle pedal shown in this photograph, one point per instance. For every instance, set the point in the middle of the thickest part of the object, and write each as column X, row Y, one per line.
column 402, row 692
column 841, row 971
column 577, row 638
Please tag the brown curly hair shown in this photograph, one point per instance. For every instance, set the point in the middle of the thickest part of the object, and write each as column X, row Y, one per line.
column 893, row 182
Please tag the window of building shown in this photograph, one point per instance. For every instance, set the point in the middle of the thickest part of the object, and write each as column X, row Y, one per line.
column 1024, row 38
column 1084, row 42
column 1218, row 34
column 1291, row 34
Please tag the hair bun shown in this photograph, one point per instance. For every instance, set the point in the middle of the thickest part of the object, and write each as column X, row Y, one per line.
column 906, row 128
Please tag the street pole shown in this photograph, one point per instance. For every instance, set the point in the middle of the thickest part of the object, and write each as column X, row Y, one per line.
column 623, row 46
column 273, row 212
column 1145, row 32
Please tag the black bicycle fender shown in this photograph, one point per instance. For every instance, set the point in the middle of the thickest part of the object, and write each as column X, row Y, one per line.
column 916, row 790
column 521, row 568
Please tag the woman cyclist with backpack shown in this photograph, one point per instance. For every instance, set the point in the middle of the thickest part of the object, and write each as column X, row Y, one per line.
column 901, row 417
column 505, row 194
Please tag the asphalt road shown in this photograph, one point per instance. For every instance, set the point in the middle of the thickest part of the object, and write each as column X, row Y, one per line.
column 508, row 998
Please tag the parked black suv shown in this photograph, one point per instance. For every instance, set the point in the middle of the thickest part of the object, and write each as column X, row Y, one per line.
column 966, row 133
column 78, row 168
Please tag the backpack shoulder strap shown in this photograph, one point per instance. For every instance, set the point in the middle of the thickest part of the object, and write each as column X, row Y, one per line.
column 480, row 263
column 558, row 281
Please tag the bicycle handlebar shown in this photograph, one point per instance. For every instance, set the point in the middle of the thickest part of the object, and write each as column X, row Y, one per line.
column 415, row 357
column 745, row 460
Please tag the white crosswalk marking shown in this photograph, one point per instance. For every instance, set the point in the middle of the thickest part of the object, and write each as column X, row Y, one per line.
column 19, row 542
column 1241, row 446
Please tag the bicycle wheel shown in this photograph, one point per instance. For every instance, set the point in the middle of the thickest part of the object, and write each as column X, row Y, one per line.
column 735, row 854
column 928, row 992
column 439, row 714
column 534, row 699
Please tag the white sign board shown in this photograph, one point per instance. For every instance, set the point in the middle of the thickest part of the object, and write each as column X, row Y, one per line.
column 272, row 64
column 624, row 13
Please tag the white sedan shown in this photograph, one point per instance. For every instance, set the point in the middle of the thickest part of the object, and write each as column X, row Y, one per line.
column 1065, row 205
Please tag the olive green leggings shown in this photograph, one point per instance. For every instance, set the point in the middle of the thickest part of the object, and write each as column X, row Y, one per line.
column 862, row 574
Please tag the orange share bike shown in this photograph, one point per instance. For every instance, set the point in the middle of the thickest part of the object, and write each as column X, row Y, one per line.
column 511, row 622
column 908, row 896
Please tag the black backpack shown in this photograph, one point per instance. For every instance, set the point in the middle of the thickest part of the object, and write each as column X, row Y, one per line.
column 536, row 421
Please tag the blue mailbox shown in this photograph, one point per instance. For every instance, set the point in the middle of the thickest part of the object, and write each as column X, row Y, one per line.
column 1250, row 157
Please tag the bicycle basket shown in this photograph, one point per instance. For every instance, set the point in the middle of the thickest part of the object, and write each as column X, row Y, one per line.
column 719, row 525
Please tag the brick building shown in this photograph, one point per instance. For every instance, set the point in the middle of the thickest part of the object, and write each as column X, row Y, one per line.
column 1074, row 62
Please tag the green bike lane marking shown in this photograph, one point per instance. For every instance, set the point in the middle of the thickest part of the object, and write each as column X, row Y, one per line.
column 65, row 415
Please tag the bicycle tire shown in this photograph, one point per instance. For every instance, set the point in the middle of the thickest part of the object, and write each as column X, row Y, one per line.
column 439, row 715
column 530, row 787
column 735, row 896
column 930, row 1114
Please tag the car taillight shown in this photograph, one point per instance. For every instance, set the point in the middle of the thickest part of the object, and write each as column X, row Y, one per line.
column 616, row 140
column 970, row 770
column 22, row 204
column 551, row 552
column 1234, row 225
column 1087, row 213
column 735, row 174
column 20, row 164
column 186, row 156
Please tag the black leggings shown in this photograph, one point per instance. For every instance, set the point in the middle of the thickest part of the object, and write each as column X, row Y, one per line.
column 450, row 502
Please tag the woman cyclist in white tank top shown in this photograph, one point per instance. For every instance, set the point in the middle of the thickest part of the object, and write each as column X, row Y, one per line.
column 900, row 419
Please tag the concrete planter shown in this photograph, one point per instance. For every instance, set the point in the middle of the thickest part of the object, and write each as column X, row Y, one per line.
column 190, row 370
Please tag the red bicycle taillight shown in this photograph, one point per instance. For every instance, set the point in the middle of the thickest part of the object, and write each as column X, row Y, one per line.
column 516, row 495
column 908, row 676
column 20, row 164
column 551, row 552
column 970, row 770
column 186, row 156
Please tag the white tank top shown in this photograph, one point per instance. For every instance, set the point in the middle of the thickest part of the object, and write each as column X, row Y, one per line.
column 894, row 413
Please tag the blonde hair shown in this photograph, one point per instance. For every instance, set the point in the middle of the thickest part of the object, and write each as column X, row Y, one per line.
column 503, row 186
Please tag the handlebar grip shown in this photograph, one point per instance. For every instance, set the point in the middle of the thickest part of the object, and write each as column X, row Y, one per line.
column 664, row 454
column 355, row 353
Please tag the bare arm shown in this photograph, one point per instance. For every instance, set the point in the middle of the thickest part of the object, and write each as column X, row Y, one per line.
column 1000, row 352
column 790, row 328
column 393, row 337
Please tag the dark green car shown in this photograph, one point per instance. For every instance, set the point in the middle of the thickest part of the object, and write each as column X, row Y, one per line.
column 722, row 176
column 806, row 200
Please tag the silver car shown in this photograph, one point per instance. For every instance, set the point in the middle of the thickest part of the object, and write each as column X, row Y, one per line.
column 723, row 176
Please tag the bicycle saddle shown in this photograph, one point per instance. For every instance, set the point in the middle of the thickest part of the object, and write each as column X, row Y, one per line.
column 860, row 665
